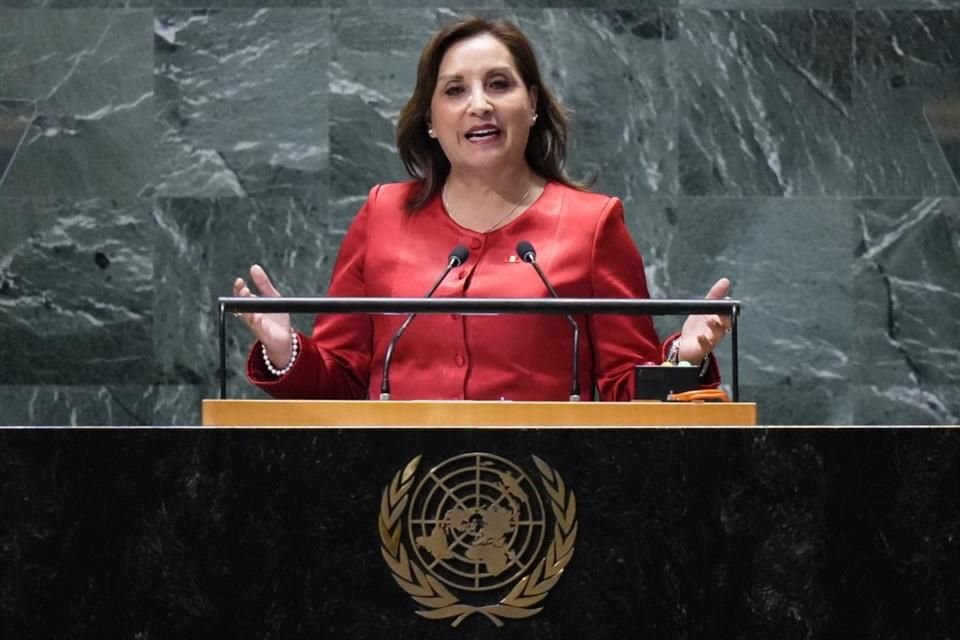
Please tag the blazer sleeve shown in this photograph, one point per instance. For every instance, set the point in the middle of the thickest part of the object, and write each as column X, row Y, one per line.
column 621, row 342
column 334, row 362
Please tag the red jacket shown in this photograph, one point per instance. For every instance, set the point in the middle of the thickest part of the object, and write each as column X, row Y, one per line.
column 583, row 247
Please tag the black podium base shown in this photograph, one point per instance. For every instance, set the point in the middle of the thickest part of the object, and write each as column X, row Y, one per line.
column 681, row 533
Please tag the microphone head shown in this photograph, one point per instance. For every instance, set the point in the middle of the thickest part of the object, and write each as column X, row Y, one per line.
column 526, row 252
column 458, row 255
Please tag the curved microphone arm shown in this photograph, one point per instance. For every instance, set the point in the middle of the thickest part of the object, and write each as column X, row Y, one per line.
column 527, row 253
column 457, row 257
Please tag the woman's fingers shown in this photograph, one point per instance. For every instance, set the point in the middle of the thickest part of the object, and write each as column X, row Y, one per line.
column 706, row 343
column 719, row 289
column 720, row 326
column 260, row 278
column 271, row 329
column 706, row 331
column 240, row 290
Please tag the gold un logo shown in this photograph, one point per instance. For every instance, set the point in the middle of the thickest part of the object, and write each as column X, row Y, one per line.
column 476, row 527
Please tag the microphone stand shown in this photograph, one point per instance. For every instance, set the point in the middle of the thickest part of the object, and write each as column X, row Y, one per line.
column 528, row 255
column 457, row 257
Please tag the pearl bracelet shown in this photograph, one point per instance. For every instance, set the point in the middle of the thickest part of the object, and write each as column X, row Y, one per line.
column 294, row 350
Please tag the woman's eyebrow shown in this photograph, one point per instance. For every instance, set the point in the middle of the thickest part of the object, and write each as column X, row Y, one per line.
column 459, row 76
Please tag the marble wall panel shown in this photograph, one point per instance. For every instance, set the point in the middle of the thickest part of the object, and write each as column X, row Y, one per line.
column 77, row 4
column 906, row 404
column 471, row 7
column 624, row 114
column 241, row 102
column 907, row 293
column 819, row 4
column 372, row 73
column 806, row 402
column 89, row 72
column 203, row 245
column 76, row 291
column 790, row 261
column 765, row 102
column 906, row 4
column 78, row 405
column 16, row 118
column 377, row 4
column 179, row 405
column 767, row 4
column 907, row 65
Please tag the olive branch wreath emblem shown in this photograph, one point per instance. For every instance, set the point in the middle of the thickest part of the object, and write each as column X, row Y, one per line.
column 439, row 602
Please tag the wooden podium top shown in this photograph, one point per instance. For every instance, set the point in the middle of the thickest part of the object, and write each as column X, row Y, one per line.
column 440, row 413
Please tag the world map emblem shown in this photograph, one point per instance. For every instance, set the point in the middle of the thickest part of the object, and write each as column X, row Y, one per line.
column 475, row 534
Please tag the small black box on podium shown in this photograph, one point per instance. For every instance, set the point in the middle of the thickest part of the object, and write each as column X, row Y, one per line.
column 656, row 382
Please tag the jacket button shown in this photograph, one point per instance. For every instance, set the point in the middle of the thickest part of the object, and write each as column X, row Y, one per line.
column 476, row 243
column 460, row 360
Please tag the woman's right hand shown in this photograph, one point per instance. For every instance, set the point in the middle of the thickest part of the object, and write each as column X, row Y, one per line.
column 271, row 329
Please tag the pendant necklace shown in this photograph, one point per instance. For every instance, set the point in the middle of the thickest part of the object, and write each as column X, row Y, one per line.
column 443, row 199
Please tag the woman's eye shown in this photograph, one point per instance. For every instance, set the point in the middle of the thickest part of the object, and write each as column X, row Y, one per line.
column 453, row 91
column 499, row 83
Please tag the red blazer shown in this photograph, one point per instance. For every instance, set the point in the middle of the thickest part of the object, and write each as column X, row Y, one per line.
column 583, row 247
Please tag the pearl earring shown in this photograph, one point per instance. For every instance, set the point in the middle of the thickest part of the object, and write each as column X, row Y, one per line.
column 534, row 121
column 430, row 133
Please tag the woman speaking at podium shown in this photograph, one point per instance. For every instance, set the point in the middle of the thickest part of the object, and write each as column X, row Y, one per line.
column 484, row 141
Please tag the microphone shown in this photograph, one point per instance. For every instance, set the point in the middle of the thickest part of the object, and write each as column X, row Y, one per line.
column 527, row 254
column 457, row 257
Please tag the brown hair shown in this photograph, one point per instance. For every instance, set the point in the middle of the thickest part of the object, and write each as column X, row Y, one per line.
column 422, row 156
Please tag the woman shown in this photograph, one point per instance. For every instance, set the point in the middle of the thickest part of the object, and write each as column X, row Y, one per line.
column 485, row 143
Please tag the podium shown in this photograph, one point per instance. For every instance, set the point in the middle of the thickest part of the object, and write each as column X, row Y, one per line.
column 659, row 531
column 360, row 413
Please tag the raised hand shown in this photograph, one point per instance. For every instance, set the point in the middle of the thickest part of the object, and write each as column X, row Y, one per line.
column 272, row 329
column 702, row 333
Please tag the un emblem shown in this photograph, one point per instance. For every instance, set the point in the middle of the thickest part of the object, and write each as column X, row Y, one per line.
column 477, row 524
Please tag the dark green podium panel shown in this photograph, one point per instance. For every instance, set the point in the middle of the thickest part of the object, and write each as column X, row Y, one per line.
column 319, row 533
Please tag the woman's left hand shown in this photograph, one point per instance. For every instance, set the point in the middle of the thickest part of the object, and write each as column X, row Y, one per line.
column 702, row 333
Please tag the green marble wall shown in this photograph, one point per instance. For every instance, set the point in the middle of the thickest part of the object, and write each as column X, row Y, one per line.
column 810, row 150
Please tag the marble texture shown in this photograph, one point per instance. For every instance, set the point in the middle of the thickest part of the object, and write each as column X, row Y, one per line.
column 77, row 4
column 819, row 4
column 16, row 117
column 790, row 262
column 790, row 533
column 81, row 404
column 765, row 103
column 905, row 64
column 241, row 102
column 782, row 5
column 88, row 71
column 907, row 291
column 202, row 246
column 76, row 291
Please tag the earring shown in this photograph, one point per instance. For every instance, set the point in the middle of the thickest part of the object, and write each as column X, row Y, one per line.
column 430, row 133
column 534, row 121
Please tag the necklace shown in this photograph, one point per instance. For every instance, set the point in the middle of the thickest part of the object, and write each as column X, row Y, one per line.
column 453, row 214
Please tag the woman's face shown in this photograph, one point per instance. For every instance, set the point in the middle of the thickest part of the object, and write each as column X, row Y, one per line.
column 481, row 111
